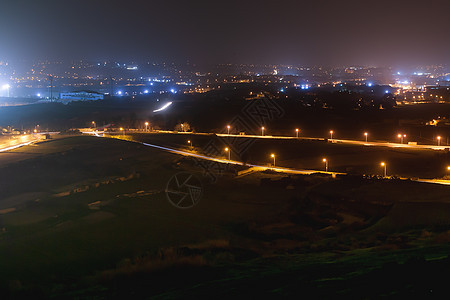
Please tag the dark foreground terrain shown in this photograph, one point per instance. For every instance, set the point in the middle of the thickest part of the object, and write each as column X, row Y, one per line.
column 85, row 217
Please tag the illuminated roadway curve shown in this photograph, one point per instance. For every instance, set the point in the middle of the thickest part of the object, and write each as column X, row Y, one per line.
column 233, row 162
column 5, row 148
column 277, row 169
column 336, row 141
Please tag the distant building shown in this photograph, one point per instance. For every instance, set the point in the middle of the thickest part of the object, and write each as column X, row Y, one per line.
column 81, row 95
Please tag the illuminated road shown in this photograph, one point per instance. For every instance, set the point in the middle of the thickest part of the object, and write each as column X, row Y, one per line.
column 22, row 141
column 334, row 141
column 233, row 162
column 277, row 169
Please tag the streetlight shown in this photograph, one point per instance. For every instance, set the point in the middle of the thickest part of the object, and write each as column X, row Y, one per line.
column 262, row 130
column 182, row 127
column 383, row 164
column 190, row 142
column 326, row 164
column 146, row 126
column 228, row 129
column 439, row 140
column 93, row 123
column 229, row 153
column 366, row 134
column 331, row 134
column 273, row 156
column 6, row 87
column 121, row 130
column 296, row 132
column 400, row 137
column 448, row 168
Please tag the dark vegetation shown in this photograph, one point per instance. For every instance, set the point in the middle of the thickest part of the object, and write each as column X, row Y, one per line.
column 97, row 224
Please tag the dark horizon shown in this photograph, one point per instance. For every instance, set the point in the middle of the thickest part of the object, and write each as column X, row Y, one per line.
column 379, row 33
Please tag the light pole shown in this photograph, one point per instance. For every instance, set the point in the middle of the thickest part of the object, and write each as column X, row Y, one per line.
column 326, row 164
column 273, row 156
column 146, row 126
column 121, row 130
column 366, row 134
column 296, row 132
column 229, row 153
column 400, row 137
column 262, row 131
column 331, row 134
column 228, row 129
column 93, row 123
column 190, row 143
column 383, row 164
column 182, row 127
column 439, row 140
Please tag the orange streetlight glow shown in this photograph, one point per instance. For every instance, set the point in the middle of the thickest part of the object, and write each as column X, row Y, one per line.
column 383, row 164
column 326, row 164
column 229, row 153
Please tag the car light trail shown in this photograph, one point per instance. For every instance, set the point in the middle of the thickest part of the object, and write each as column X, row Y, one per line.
column 164, row 107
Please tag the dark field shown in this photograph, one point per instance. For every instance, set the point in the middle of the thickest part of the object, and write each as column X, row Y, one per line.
column 86, row 217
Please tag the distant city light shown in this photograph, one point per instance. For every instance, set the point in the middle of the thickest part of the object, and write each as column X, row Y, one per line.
column 146, row 92
column 119, row 93
column 164, row 107
column 369, row 84
column 173, row 91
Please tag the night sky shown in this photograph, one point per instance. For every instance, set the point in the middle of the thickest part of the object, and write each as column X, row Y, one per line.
column 323, row 32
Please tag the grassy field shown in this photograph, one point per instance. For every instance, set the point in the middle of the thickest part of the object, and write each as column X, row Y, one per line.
column 88, row 217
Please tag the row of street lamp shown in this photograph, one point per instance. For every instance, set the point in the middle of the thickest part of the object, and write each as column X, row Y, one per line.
column 324, row 160
column 366, row 134
column 401, row 136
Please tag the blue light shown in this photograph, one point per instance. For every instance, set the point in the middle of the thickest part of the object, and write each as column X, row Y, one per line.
column 39, row 95
column 282, row 90
column 369, row 84
column 173, row 91
column 119, row 93
column 146, row 92
column 386, row 92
